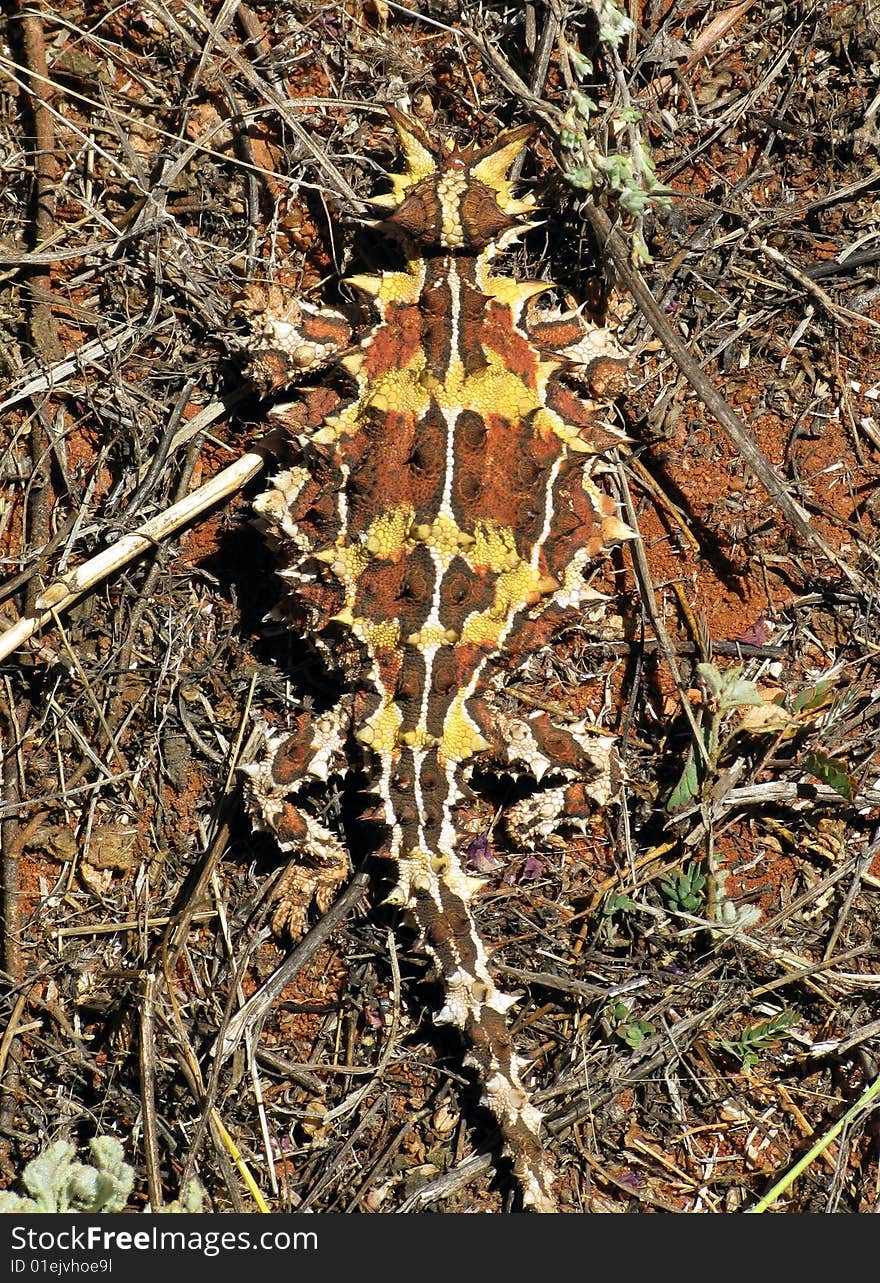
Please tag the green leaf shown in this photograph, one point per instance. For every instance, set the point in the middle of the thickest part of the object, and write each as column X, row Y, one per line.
column 729, row 689
column 615, row 902
column 831, row 771
column 813, row 697
column 641, row 253
column 582, row 66
column 583, row 176
column 634, row 1034
column 616, row 1011
column 711, row 679
column 584, row 105
column 758, row 1038
column 634, row 200
column 684, row 890
column 740, row 694
column 688, row 786
column 59, row 1183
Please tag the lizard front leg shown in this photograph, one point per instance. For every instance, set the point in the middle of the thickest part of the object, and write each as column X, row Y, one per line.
column 280, row 803
column 289, row 338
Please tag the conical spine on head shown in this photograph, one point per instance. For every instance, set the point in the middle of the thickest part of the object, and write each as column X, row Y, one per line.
column 458, row 199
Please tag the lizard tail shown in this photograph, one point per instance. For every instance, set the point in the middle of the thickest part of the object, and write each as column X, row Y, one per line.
column 436, row 891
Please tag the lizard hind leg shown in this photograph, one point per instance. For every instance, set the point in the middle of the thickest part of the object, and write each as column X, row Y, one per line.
column 277, row 797
column 578, row 765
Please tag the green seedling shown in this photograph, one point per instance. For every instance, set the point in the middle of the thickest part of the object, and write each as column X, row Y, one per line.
column 757, row 1038
column 619, row 1019
column 685, row 891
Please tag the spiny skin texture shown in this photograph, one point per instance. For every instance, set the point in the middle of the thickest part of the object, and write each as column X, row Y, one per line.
column 435, row 530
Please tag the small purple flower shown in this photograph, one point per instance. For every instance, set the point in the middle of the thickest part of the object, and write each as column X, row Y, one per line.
column 532, row 868
column 479, row 856
column 756, row 634
column 373, row 1017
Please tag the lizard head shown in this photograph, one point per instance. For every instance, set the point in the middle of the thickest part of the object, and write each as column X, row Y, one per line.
column 454, row 200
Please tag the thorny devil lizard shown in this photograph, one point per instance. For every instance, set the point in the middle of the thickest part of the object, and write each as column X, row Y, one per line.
column 433, row 532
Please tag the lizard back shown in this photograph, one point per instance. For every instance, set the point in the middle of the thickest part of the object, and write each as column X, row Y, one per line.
column 439, row 523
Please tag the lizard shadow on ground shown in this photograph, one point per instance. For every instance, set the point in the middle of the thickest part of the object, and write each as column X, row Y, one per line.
column 709, row 538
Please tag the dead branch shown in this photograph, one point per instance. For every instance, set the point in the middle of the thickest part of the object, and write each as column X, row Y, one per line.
column 61, row 593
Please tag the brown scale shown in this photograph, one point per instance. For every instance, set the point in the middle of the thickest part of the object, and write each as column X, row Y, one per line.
column 394, row 345
column 409, row 687
column 495, row 478
column 515, row 348
column 463, row 592
column 571, row 408
column 312, row 606
column 433, row 311
column 403, row 464
column 292, row 757
column 401, row 590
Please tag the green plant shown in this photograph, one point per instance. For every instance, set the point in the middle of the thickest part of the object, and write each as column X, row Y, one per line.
column 726, row 691
column 615, row 905
column 192, row 1199
column 626, row 169
column 57, row 1182
column 757, row 1038
column 613, row 22
column 616, row 902
column 685, row 890
column 618, row 1018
